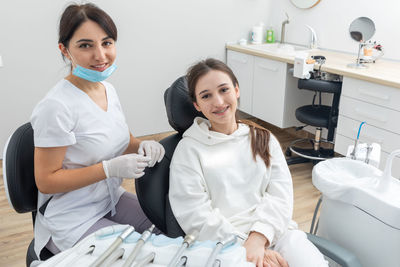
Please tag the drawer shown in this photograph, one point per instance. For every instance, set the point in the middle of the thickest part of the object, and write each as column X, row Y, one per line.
column 343, row 142
column 378, row 116
column 369, row 134
column 372, row 93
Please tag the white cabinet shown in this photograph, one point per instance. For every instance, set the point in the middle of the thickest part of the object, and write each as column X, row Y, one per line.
column 242, row 65
column 267, row 90
column 378, row 106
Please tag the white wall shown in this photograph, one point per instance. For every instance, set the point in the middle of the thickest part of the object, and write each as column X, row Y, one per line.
column 157, row 42
column 331, row 20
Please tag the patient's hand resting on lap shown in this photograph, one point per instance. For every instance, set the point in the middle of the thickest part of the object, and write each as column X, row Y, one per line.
column 259, row 255
column 274, row 259
column 255, row 248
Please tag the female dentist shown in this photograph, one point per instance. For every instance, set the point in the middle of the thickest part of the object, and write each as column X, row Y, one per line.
column 230, row 177
column 83, row 147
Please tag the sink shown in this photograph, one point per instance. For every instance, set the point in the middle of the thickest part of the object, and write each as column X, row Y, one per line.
column 288, row 49
column 359, row 184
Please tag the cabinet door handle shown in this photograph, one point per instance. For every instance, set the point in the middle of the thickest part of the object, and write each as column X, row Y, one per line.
column 268, row 68
column 369, row 115
column 240, row 59
column 375, row 95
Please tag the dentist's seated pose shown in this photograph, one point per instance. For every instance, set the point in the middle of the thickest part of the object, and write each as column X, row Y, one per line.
column 83, row 146
column 230, row 177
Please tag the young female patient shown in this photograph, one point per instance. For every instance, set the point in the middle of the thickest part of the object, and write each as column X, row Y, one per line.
column 230, row 177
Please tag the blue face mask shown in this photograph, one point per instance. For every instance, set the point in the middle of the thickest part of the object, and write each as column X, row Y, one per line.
column 92, row 75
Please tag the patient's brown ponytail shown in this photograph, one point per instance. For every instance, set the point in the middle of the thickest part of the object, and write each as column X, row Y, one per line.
column 259, row 136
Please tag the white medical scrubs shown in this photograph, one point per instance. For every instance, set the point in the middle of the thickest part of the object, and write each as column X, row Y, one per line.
column 67, row 116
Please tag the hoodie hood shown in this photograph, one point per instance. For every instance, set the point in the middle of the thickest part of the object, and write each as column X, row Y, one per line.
column 200, row 131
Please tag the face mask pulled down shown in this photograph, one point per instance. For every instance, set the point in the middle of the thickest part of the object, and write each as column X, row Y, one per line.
column 92, row 75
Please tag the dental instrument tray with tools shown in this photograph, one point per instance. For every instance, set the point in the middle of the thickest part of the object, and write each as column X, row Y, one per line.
column 120, row 245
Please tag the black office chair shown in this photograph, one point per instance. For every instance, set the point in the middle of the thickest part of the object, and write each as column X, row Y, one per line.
column 319, row 116
column 19, row 179
column 152, row 188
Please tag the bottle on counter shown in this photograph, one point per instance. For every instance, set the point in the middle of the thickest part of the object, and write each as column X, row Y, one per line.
column 270, row 37
column 257, row 34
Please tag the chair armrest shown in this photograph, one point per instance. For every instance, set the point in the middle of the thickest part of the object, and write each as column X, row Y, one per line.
column 337, row 253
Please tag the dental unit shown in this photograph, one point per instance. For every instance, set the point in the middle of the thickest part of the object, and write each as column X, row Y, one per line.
column 146, row 260
column 360, row 208
column 219, row 246
column 142, row 240
column 182, row 262
column 117, row 254
column 117, row 242
column 187, row 242
column 369, row 153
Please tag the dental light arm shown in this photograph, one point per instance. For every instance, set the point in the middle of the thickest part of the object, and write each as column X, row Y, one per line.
column 187, row 242
column 220, row 245
column 142, row 240
column 129, row 230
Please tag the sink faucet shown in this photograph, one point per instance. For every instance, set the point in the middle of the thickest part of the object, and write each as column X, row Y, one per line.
column 283, row 28
column 314, row 40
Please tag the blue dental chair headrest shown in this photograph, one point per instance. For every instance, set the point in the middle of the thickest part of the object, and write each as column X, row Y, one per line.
column 179, row 106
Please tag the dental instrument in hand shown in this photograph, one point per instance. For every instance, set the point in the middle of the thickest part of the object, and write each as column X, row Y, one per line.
column 353, row 153
column 117, row 254
column 218, row 247
column 146, row 260
column 187, row 242
column 129, row 230
column 139, row 244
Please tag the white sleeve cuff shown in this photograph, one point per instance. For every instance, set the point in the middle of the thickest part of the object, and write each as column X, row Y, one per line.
column 266, row 230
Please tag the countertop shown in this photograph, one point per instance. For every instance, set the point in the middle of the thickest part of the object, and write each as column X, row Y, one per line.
column 383, row 72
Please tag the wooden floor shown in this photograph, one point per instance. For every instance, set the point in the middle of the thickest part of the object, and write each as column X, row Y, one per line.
column 16, row 229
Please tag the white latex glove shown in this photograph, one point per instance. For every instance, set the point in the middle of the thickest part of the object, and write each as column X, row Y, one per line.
column 126, row 166
column 151, row 149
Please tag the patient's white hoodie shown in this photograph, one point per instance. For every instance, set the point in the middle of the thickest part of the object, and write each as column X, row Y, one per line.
column 218, row 189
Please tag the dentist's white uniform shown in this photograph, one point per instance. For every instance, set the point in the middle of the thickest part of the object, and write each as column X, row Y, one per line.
column 218, row 189
column 68, row 117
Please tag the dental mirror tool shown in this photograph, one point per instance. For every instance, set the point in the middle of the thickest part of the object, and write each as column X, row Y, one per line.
column 218, row 247
column 139, row 244
column 129, row 230
column 187, row 242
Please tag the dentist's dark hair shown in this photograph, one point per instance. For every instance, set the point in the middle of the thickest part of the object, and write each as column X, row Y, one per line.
column 73, row 17
column 259, row 136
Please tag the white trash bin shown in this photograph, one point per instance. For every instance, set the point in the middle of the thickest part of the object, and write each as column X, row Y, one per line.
column 360, row 209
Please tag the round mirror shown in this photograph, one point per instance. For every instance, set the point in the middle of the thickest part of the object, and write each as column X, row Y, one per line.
column 305, row 3
column 362, row 29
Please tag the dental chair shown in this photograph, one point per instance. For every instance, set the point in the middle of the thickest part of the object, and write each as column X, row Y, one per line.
column 319, row 116
column 152, row 188
column 19, row 179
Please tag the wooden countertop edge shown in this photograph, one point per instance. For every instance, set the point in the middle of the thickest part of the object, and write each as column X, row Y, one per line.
column 353, row 73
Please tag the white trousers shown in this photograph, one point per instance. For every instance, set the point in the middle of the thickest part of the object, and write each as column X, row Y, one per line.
column 298, row 251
